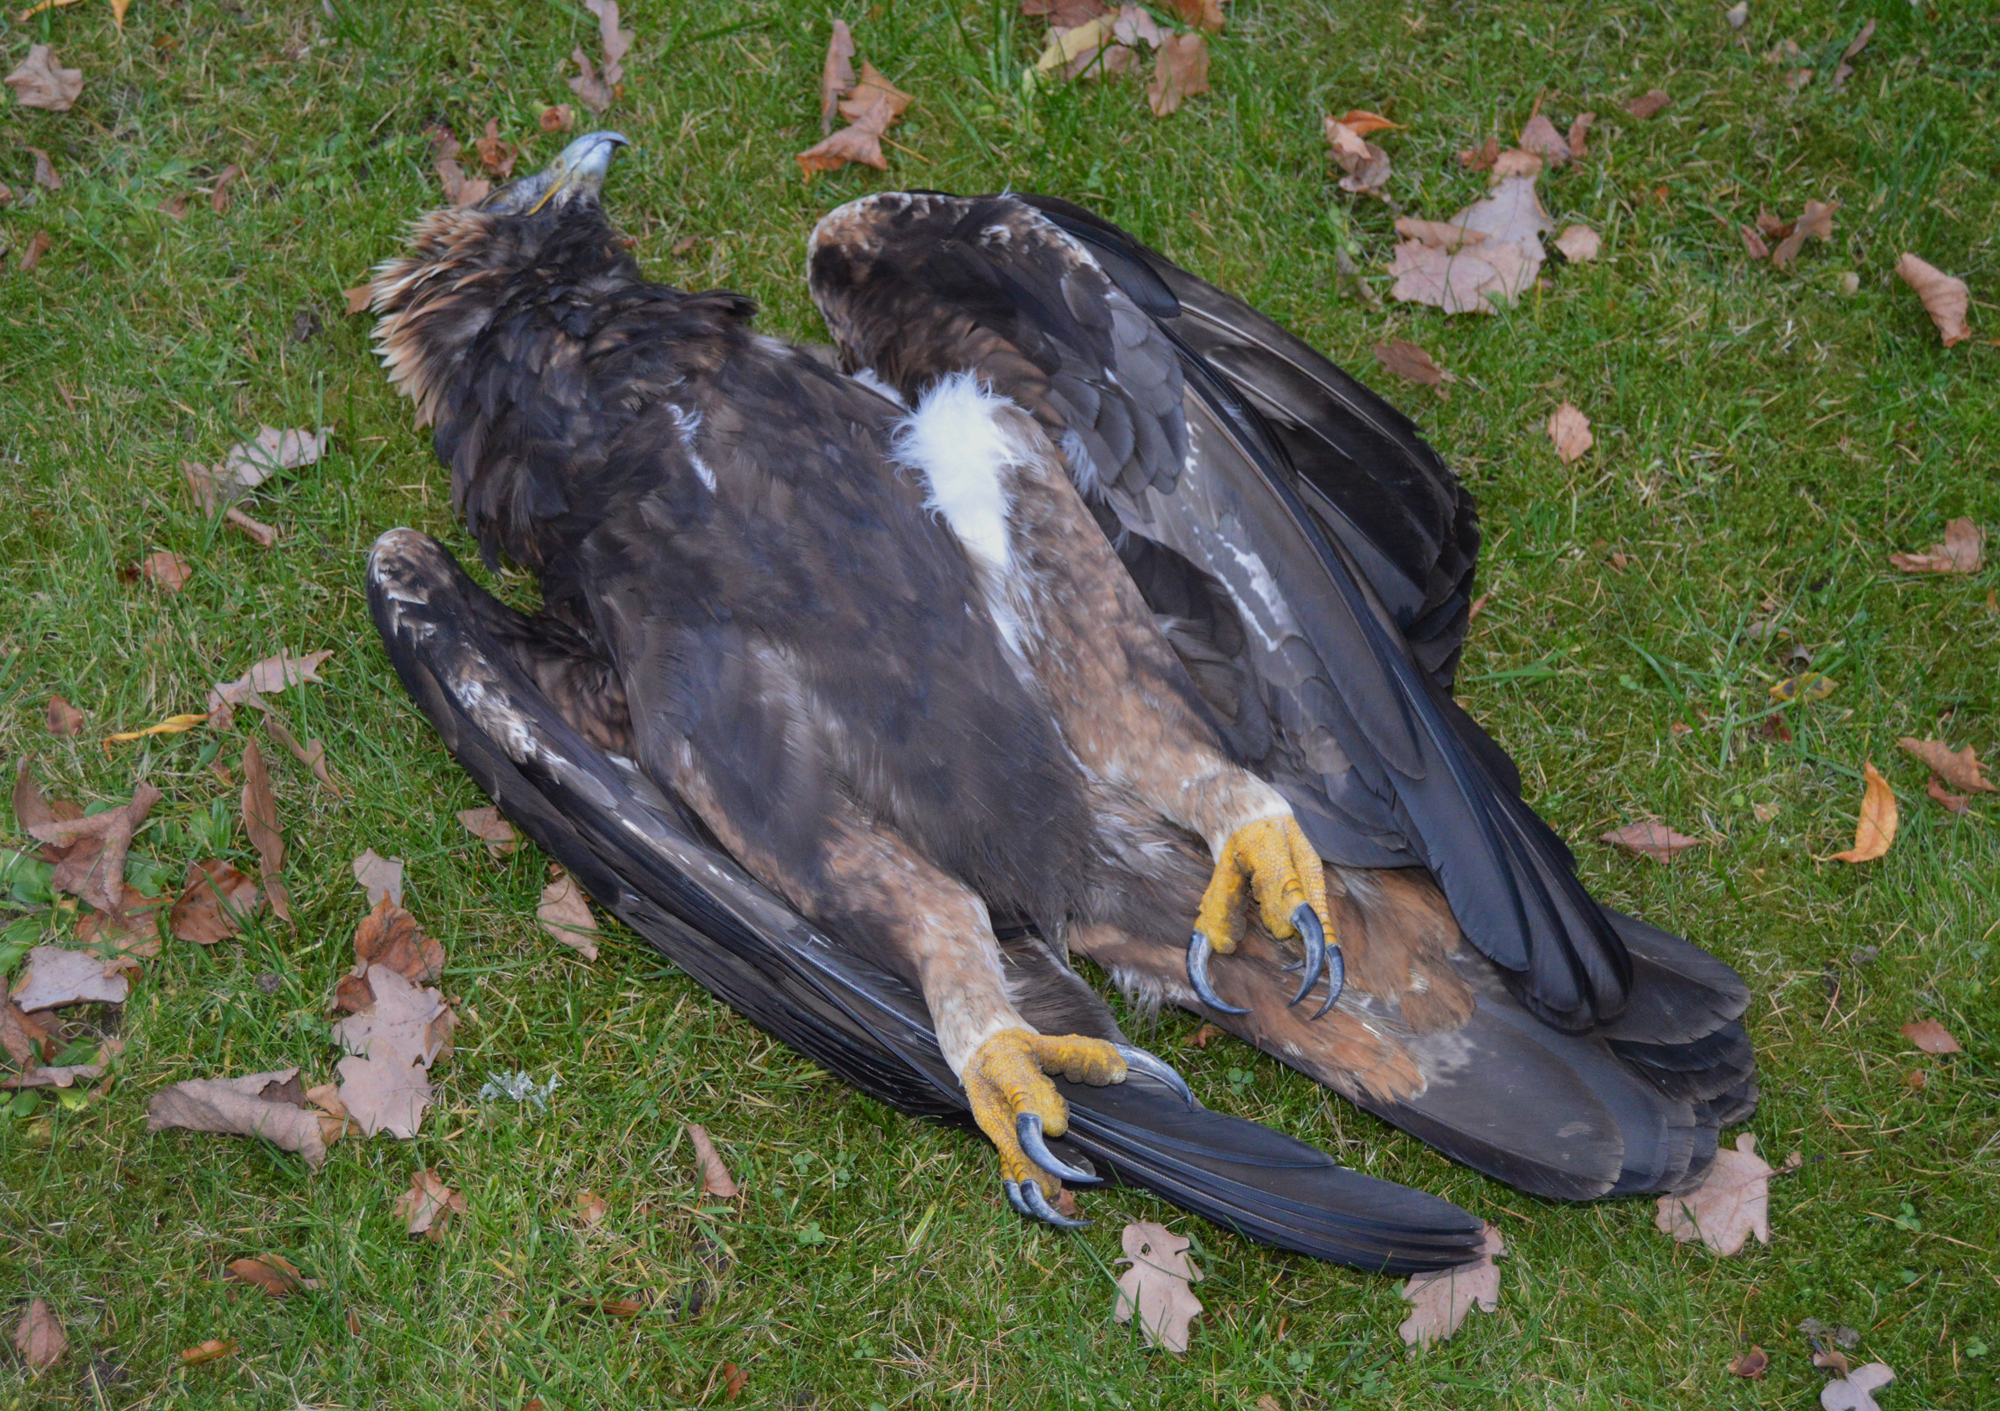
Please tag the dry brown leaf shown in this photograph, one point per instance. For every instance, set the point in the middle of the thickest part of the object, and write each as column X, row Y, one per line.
column 239, row 1107
column 46, row 176
column 734, row 1379
column 213, row 1350
column 1579, row 136
column 18, row 1033
column 379, row 877
column 497, row 156
column 1961, row 770
column 1815, row 224
column 67, row 1075
column 1439, row 233
column 715, row 1177
column 565, row 915
column 1953, row 803
column 1180, row 71
column 1959, row 553
column 1366, row 165
column 427, row 1206
column 390, row 936
column 557, row 118
column 1516, row 162
column 1436, row 263
column 166, row 571
column 383, row 1081
column 1946, row 297
column 1443, row 1298
column 459, row 189
column 214, row 903
column 39, row 81
column 1413, row 364
column 276, row 1276
column 860, row 141
column 1730, row 1204
column 836, row 74
column 1065, row 14
column 1860, row 42
column 39, row 1337
column 267, row 678
column 61, row 717
column 593, row 90
column 1930, row 1036
column 590, row 1207
column 873, row 89
column 1480, row 158
column 1875, row 829
column 1545, row 140
column 1649, row 839
column 1202, row 14
column 260, row 821
column 123, row 937
column 38, row 245
column 1579, row 244
column 218, row 195
column 1754, row 243
column 1156, row 1286
column 1362, row 122
column 89, row 853
column 312, row 753
column 359, row 299
column 1751, row 1365
column 616, row 42
column 1205, row 1035
column 1855, row 1390
column 1569, row 429
column 1134, row 26
column 1648, row 103
column 334, row 1121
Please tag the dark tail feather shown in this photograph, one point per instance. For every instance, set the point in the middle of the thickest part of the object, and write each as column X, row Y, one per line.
column 639, row 856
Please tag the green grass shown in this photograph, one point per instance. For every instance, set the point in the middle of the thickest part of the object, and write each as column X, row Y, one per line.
column 1762, row 439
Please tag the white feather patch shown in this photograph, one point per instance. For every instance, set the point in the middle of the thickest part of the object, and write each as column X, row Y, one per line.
column 958, row 441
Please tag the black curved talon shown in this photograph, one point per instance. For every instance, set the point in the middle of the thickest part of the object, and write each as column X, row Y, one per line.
column 1138, row 1060
column 1028, row 1127
column 1314, row 936
column 1336, row 978
column 1199, row 951
column 1013, row 1189
column 1035, row 1205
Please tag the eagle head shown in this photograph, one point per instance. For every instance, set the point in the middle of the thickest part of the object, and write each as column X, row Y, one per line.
column 466, row 263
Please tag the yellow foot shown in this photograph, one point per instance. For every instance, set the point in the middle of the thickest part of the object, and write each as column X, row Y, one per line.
column 1272, row 861
column 1015, row 1104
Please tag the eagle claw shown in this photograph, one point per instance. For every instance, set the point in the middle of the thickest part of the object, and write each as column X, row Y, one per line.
column 1028, row 1127
column 1027, row 1199
column 1199, row 951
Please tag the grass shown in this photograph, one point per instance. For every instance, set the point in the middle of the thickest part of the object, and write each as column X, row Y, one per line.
column 1764, row 440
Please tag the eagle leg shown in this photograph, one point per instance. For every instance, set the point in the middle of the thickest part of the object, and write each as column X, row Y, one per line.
column 1271, row 861
column 1014, row 1103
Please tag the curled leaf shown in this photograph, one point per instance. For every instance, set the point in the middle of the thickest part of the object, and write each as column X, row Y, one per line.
column 1649, row 839
column 1875, row 830
column 836, row 74
column 1946, row 297
column 1960, row 769
column 39, row 81
column 715, row 1177
column 565, row 915
column 1959, row 553
column 240, row 1107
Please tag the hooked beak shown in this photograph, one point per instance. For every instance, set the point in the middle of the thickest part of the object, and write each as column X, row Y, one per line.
column 577, row 173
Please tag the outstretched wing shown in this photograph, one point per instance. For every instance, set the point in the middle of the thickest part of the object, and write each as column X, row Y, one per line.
column 489, row 679
column 1295, row 535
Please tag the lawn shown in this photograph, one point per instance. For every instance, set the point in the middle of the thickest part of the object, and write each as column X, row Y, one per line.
column 1764, row 440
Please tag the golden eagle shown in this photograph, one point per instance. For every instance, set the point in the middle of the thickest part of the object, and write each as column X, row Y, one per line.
column 1085, row 609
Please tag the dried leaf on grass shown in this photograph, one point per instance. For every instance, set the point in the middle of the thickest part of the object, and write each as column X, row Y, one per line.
column 1579, row 136
column 616, row 42
column 590, row 1208
column 260, row 821
column 166, row 571
column 459, row 189
column 390, row 936
column 1751, row 1365
column 1491, row 250
column 734, row 1379
column 1545, row 140
column 267, row 678
column 860, row 141
column 1852, row 51
column 39, row 1337
column 1946, row 297
column 1930, row 1036
column 836, row 74
column 311, row 754
column 1180, row 72
column 1648, row 104
column 1856, row 1391
column 62, row 718
column 1366, row 165
column 1413, row 364
column 1155, row 1287
column 212, row 1350
column 65, row 1075
column 384, row 1082
column 245, row 1107
column 39, row 81
column 54, row 977
column 715, row 1177
column 270, row 1273
column 88, row 853
column 557, row 117
column 1815, row 224
column 1961, row 551
column 487, row 825
column 1202, row 14
column 427, row 1206
column 1569, row 429
column 18, row 1033
column 1650, row 839
column 1960, row 769
column 379, row 877
column 1579, row 244
column 1204, row 1035
column 565, row 915
column 1731, row 1204
column 46, row 175
column 872, row 89
column 123, row 937
column 1443, row 1298
column 496, row 155
column 1875, row 829
column 213, row 904
column 1953, row 803
column 1480, row 158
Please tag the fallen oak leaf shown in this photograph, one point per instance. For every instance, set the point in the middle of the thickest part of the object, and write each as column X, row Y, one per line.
column 312, row 753
column 1753, row 243
column 267, row 678
column 46, row 176
column 1650, row 839
column 1411, row 363
column 1875, row 829
column 1579, row 244
column 239, row 1107
column 872, row 89
column 91, row 860
column 590, row 1208
column 39, row 81
column 20, row 1034
column 62, row 718
column 1855, row 1391
column 67, row 1075
column 1516, row 162
column 213, row 904
column 715, row 1177
column 384, row 1080
column 1959, row 553
column 39, row 1337
column 427, row 1206
column 1961, row 770
column 1731, row 1204
column 615, row 42
column 1180, row 72
column 1444, row 1297
column 1578, row 139
column 1435, row 264
column 379, row 877
column 271, row 1274
column 593, row 90
column 390, row 936
column 1205, row 15
column 213, row 1350
column 218, row 196
column 1929, row 1036
column 124, row 936
column 1155, row 1287
column 1648, row 104
column 1480, row 158
column 1845, row 69
column 333, row 1119
column 1946, row 298
column 496, row 155
column 1953, row 803
column 1569, row 430
column 860, row 141
column 557, row 117
column 565, row 915
column 1543, row 138
column 260, row 821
